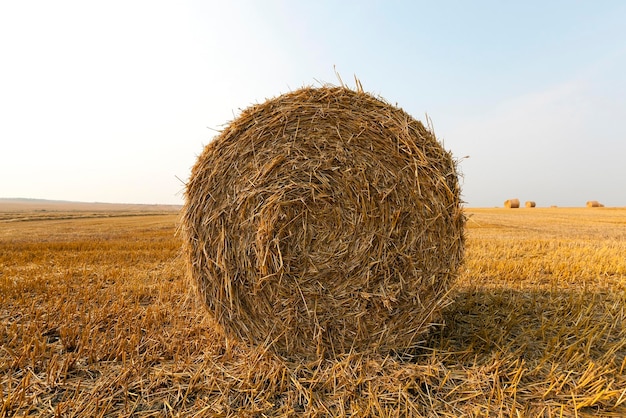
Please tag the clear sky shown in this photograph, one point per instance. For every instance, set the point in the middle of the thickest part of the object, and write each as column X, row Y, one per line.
column 112, row 101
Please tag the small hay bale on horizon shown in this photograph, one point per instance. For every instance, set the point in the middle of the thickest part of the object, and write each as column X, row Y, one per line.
column 511, row 203
column 594, row 204
column 322, row 222
column 530, row 204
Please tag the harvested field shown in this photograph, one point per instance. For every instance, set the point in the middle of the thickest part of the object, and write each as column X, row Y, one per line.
column 97, row 319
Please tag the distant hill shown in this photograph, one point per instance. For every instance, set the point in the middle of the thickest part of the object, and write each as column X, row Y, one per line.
column 29, row 205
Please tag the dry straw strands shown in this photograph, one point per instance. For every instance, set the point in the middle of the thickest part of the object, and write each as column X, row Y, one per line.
column 530, row 204
column 511, row 203
column 594, row 204
column 324, row 221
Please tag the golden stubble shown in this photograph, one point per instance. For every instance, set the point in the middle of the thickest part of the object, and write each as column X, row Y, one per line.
column 97, row 319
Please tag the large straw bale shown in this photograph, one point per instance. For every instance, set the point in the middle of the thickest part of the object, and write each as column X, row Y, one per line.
column 324, row 221
column 511, row 203
column 530, row 204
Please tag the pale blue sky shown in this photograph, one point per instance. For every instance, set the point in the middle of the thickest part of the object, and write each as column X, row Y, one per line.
column 113, row 100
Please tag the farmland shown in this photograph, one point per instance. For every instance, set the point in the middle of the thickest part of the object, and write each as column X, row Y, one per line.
column 97, row 319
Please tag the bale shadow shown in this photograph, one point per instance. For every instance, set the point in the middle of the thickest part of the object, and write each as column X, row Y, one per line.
column 532, row 325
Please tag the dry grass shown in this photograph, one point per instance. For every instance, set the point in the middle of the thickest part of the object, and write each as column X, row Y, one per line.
column 96, row 319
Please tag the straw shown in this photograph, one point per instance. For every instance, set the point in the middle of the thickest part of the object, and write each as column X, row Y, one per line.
column 324, row 222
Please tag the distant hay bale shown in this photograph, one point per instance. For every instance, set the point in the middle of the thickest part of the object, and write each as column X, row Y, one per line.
column 594, row 204
column 530, row 204
column 511, row 203
column 324, row 221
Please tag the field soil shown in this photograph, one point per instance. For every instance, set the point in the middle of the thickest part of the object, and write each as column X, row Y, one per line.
column 97, row 318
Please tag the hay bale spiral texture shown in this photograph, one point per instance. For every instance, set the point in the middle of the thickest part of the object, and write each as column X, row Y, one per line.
column 511, row 203
column 324, row 221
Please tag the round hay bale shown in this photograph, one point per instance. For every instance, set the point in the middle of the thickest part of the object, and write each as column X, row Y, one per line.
column 511, row 203
column 324, row 221
column 594, row 204
column 530, row 204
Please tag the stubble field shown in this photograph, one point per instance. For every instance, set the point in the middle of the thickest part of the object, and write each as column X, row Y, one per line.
column 98, row 319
